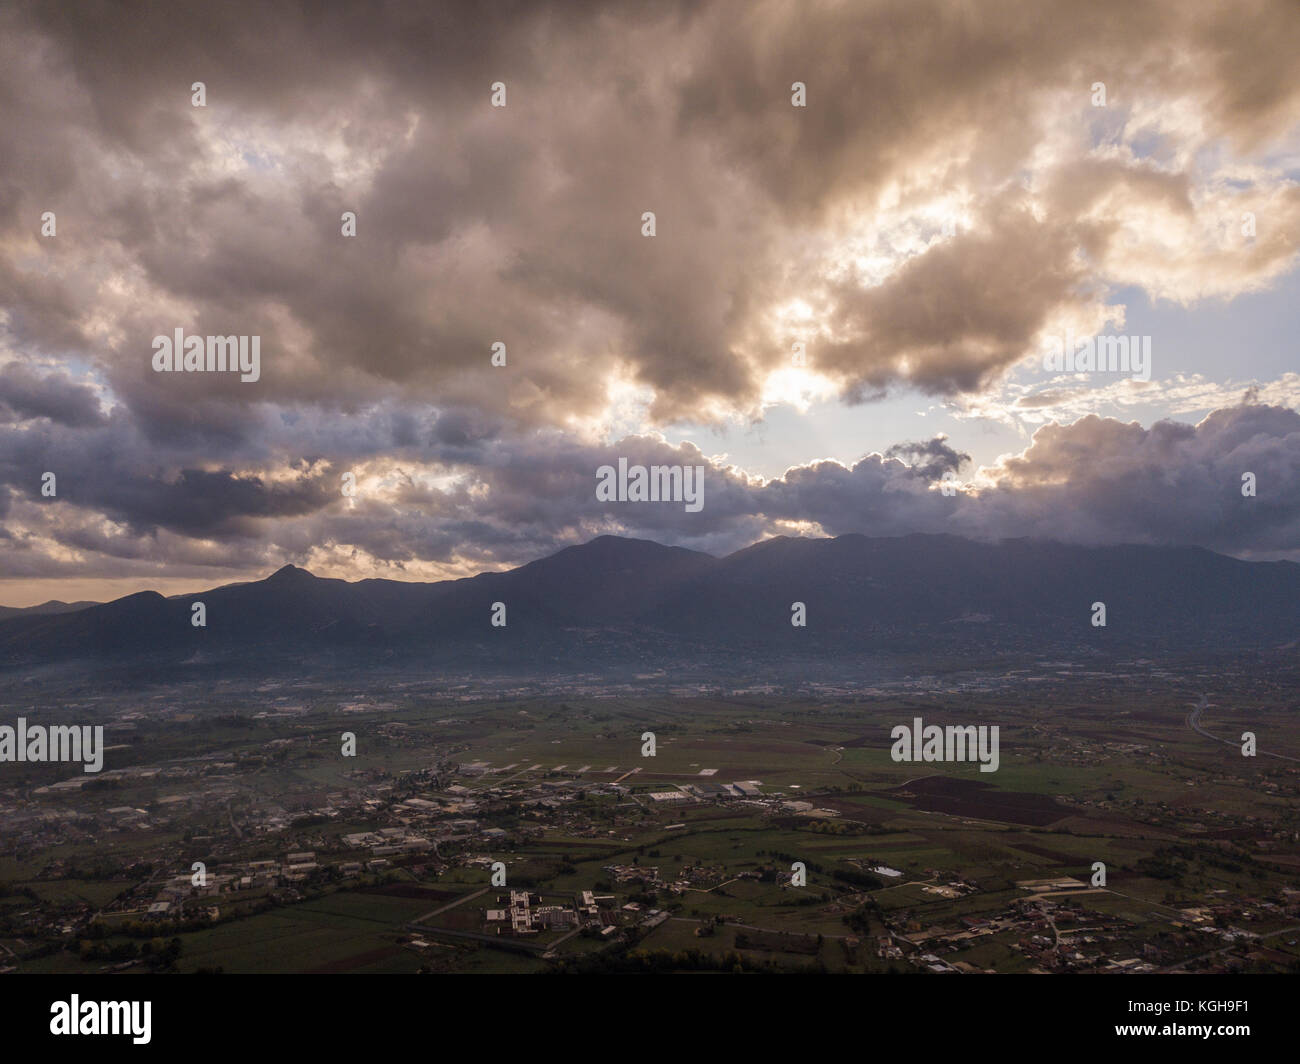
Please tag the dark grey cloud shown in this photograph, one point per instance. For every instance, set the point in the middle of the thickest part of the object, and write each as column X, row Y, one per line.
column 930, row 458
column 26, row 394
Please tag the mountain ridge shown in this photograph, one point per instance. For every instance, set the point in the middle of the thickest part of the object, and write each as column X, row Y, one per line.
column 623, row 600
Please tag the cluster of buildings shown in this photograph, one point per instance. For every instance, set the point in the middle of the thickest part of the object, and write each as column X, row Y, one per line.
column 1055, row 936
column 526, row 914
column 521, row 913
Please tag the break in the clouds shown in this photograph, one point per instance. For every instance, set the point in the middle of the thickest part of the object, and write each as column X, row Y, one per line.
column 951, row 194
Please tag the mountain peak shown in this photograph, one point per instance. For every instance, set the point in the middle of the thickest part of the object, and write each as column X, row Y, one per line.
column 290, row 572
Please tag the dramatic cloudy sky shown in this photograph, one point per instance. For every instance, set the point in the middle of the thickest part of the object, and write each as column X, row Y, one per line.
column 950, row 197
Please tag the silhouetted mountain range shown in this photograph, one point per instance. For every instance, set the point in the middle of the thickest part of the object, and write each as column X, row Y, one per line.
column 620, row 601
column 53, row 606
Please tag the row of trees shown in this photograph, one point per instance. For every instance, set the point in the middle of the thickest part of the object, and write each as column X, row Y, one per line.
column 158, row 952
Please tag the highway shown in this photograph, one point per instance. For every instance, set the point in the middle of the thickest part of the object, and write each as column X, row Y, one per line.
column 1194, row 722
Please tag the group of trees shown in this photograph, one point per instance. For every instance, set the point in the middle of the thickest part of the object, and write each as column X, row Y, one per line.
column 623, row 959
column 157, row 952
